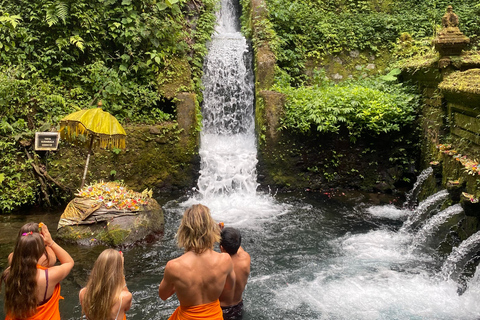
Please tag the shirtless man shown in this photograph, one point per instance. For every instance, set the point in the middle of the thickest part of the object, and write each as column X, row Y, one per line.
column 200, row 275
column 231, row 300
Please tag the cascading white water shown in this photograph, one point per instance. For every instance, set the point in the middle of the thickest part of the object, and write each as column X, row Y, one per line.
column 459, row 257
column 435, row 222
column 228, row 178
column 411, row 196
column 227, row 146
column 425, row 209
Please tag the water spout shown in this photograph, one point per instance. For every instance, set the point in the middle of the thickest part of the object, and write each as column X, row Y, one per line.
column 425, row 209
column 432, row 226
column 411, row 196
column 459, row 257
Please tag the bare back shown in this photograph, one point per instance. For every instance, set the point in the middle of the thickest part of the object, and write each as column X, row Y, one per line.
column 197, row 278
column 241, row 266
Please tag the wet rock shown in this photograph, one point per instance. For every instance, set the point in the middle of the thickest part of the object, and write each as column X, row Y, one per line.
column 113, row 227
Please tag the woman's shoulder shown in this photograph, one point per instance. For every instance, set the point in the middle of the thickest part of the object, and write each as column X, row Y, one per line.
column 81, row 294
column 126, row 295
column 126, row 299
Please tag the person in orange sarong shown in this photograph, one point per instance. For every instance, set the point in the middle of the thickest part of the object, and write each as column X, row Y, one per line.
column 32, row 291
column 200, row 275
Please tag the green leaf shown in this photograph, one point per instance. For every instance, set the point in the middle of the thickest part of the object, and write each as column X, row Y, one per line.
column 162, row 6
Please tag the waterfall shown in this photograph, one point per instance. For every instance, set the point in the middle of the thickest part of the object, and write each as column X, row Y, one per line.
column 227, row 142
column 459, row 257
column 411, row 197
column 425, row 209
column 435, row 223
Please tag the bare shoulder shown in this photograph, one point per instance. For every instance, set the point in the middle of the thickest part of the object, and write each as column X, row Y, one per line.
column 175, row 266
column 225, row 257
column 226, row 261
column 126, row 296
column 81, row 294
column 244, row 255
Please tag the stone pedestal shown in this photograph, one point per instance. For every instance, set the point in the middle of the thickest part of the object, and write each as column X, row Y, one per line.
column 451, row 42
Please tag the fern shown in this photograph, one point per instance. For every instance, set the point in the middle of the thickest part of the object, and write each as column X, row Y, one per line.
column 12, row 20
column 57, row 99
column 78, row 42
column 56, row 12
column 62, row 11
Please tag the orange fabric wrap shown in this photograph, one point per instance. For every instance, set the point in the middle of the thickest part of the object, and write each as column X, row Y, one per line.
column 49, row 310
column 210, row 311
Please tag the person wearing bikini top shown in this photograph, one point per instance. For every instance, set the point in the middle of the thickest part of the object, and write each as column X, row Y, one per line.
column 32, row 291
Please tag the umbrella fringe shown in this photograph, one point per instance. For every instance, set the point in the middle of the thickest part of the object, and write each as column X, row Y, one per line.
column 73, row 129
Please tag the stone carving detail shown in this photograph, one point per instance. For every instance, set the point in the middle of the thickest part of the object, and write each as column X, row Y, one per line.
column 450, row 40
column 449, row 19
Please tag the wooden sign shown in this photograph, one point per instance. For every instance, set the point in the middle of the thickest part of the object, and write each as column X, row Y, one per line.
column 46, row 141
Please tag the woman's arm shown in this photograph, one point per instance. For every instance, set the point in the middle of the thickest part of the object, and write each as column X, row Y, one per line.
column 57, row 273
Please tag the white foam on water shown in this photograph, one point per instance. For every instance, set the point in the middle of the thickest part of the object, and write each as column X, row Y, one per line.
column 242, row 210
column 367, row 283
column 389, row 212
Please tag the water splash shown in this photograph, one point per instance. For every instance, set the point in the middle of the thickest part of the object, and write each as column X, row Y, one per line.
column 389, row 212
column 459, row 257
column 411, row 196
column 435, row 223
column 425, row 209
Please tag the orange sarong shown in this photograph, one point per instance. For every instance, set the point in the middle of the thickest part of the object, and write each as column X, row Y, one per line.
column 210, row 311
column 49, row 310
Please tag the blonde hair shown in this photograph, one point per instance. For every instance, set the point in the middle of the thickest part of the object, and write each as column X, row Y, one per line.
column 20, row 277
column 104, row 285
column 198, row 231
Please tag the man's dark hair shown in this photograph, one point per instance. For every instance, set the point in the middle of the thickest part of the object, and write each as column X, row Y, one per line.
column 231, row 240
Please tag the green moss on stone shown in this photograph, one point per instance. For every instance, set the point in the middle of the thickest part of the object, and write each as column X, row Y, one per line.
column 155, row 157
column 175, row 77
column 418, row 62
column 462, row 81
column 113, row 236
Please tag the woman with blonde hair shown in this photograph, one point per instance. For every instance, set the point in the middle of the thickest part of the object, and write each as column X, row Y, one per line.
column 32, row 291
column 106, row 296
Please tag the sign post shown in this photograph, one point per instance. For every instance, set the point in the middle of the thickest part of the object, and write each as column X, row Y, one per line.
column 46, row 141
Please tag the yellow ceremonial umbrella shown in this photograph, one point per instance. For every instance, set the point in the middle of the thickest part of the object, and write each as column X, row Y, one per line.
column 99, row 128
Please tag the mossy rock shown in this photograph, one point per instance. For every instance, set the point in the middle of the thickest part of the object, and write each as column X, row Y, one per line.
column 111, row 228
column 463, row 82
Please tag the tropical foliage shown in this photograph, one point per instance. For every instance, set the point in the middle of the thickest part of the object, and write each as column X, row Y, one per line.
column 58, row 56
column 310, row 29
column 368, row 106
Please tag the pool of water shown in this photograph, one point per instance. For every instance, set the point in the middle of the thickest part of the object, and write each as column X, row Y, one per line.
column 314, row 256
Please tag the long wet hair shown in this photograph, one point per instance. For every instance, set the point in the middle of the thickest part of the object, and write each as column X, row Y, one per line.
column 198, row 231
column 20, row 277
column 104, row 285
